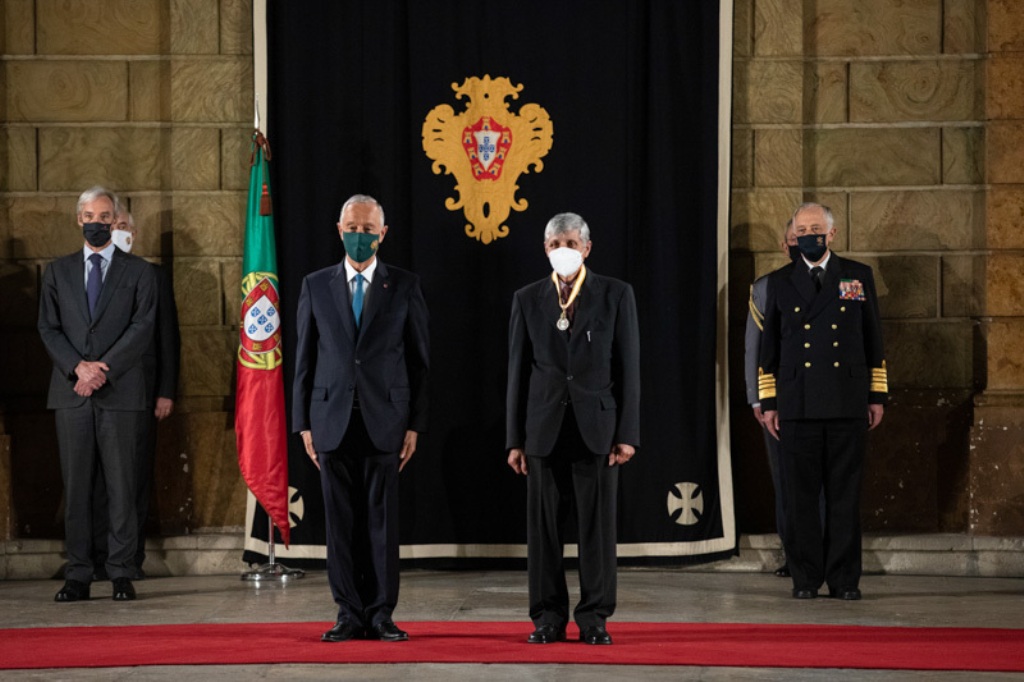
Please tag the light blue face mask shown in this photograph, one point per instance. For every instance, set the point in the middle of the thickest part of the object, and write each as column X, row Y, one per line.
column 360, row 246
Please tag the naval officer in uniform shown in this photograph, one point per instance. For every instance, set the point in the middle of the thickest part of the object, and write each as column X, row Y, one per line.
column 822, row 385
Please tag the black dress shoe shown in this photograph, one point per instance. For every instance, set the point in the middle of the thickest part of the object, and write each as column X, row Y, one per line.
column 73, row 590
column 804, row 594
column 386, row 632
column 546, row 634
column 782, row 571
column 341, row 632
column 845, row 593
column 595, row 634
column 123, row 589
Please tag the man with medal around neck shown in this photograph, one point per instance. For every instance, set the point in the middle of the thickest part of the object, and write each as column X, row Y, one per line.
column 822, row 384
column 359, row 402
column 573, row 417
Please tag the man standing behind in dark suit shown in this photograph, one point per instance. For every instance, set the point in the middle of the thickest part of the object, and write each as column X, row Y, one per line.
column 161, row 363
column 96, row 313
column 573, row 416
column 822, row 385
column 359, row 401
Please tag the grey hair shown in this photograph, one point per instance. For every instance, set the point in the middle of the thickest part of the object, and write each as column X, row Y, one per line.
column 122, row 211
column 362, row 199
column 567, row 222
column 812, row 204
column 97, row 192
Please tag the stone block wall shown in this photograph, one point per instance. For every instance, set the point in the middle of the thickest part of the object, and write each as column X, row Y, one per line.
column 905, row 118
column 153, row 99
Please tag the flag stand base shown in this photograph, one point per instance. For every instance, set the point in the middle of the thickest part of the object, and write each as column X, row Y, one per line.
column 272, row 572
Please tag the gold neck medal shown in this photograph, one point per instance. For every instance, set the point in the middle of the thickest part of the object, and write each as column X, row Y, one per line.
column 563, row 319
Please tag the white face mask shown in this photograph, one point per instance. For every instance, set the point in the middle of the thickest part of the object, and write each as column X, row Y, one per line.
column 565, row 261
column 122, row 239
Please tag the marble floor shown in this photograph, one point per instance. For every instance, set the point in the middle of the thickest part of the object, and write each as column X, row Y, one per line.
column 644, row 595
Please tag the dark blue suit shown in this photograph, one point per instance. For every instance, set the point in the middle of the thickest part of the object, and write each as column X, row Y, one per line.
column 358, row 390
column 821, row 365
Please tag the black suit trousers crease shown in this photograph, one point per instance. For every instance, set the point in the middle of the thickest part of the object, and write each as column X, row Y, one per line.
column 571, row 476
column 360, row 488
column 94, row 441
column 823, row 456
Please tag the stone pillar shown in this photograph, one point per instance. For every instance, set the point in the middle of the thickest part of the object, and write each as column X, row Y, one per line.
column 997, row 436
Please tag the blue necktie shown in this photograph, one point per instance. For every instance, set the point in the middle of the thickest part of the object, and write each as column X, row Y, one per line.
column 94, row 284
column 357, row 299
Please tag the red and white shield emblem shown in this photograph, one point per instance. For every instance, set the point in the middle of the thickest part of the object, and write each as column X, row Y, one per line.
column 487, row 143
column 261, row 321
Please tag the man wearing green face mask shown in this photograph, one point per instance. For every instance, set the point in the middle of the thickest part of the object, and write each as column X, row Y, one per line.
column 360, row 401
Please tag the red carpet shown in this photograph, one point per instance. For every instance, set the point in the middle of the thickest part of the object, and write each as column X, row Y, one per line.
column 697, row 644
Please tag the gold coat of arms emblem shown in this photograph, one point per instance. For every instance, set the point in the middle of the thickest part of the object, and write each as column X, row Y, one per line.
column 487, row 147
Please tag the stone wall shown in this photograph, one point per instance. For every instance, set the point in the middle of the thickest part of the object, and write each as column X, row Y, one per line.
column 154, row 100
column 905, row 118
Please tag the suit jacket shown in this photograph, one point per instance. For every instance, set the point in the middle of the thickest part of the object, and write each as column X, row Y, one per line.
column 821, row 353
column 118, row 336
column 162, row 358
column 752, row 337
column 386, row 361
column 596, row 368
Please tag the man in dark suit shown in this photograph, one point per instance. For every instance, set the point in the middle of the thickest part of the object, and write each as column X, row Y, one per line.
column 822, row 385
column 96, row 313
column 161, row 364
column 573, row 417
column 359, row 401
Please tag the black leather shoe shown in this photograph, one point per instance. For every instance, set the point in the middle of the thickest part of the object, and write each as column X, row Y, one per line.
column 804, row 594
column 546, row 634
column 782, row 571
column 845, row 593
column 73, row 590
column 123, row 589
column 341, row 632
column 386, row 632
column 595, row 634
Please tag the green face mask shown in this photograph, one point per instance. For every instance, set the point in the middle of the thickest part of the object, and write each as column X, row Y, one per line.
column 360, row 246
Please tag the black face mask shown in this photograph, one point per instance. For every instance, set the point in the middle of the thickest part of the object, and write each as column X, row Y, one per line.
column 794, row 252
column 97, row 234
column 812, row 246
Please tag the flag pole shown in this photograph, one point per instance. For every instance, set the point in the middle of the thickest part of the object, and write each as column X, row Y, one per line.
column 272, row 571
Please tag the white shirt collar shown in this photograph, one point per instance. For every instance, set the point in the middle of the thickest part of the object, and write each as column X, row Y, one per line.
column 107, row 253
column 351, row 272
column 823, row 264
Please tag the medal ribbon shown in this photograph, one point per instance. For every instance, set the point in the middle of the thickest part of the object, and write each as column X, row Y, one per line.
column 572, row 294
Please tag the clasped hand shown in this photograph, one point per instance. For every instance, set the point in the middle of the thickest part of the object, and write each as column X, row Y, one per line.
column 91, row 376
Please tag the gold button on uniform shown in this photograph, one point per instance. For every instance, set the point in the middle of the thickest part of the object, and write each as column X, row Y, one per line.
column 796, row 309
column 835, row 344
column 835, row 326
column 842, row 308
column 807, row 326
column 807, row 345
column 807, row 364
column 836, row 364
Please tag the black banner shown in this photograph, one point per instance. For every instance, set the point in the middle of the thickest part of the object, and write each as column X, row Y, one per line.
column 632, row 91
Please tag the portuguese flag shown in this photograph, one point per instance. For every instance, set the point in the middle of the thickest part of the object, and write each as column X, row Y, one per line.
column 259, row 401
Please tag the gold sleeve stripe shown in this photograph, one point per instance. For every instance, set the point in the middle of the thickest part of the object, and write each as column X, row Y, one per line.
column 880, row 379
column 765, row 385
column 756, row 314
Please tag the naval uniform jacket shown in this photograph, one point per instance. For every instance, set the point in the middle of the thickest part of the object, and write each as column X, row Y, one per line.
column 821, row 352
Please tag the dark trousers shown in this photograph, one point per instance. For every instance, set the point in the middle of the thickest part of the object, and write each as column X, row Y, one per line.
column 146, row 445
column 360, row 487
column 774, row 450
column 92, row 439
column 826, row 454
column 571, row 474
